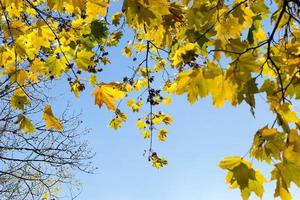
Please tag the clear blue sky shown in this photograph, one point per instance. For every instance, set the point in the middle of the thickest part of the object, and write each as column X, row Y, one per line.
column 199, row 138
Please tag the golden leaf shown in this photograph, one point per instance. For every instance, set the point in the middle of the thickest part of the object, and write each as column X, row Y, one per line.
column 50, row 120
column 108, row 93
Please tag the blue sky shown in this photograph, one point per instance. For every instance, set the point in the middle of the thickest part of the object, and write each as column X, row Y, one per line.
column 199, row 138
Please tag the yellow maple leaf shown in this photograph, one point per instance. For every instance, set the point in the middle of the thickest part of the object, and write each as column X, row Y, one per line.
column 50, row 120
column 141, row 124
column 139, row 12
column 42, row 35
column 84, row 59
column 286, row 112
column 24, row 48
column 19, row 99
column 58, row 5
column 108, row 93
column 292, row 156
column 135, row 106
column 186, row 53
column 230, row 26
column 96, row 7
column 162, row 135
column 16, row 28
column 161, row 65
column 20, row 77
column 116, row 123
column 56, row 66
column 241, row 175
column 93, row 80
column 38, row 66
column 146, row 134
column 139, row 84
column 26, row 124
column 140, row 47
column 7, row 59
column 116, row 18
column 127, row 51
column 167, row 101
column 77, row 87
column 158, row 162
column 46, row 196
column 79, row 4
column 221, row 89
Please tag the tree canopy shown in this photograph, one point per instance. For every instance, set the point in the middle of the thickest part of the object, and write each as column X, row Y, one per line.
column 232, row 51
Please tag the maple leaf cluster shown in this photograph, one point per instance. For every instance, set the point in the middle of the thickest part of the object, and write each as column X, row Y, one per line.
column 198, row 48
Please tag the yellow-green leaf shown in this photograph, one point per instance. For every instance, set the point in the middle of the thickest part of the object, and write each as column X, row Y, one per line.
column 50, row 120
column 107, row 94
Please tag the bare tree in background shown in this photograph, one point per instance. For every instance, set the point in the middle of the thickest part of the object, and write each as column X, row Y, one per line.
column 37, row 165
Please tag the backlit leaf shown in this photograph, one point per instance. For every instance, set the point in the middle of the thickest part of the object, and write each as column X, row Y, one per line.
column 50, row 120
column 108, row 93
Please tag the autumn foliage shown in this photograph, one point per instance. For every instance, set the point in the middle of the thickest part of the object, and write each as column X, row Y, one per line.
column 232, row 51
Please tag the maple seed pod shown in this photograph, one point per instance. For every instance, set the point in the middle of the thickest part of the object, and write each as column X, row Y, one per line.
column 105, row 54
column 92, row 69
column 131, row 82
column 151, row 79
column 70, row 65
column 154, row 155
column 125, row 79
column 152, row 102
column 81, row 87
column 67, row 28
column 83, row 15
